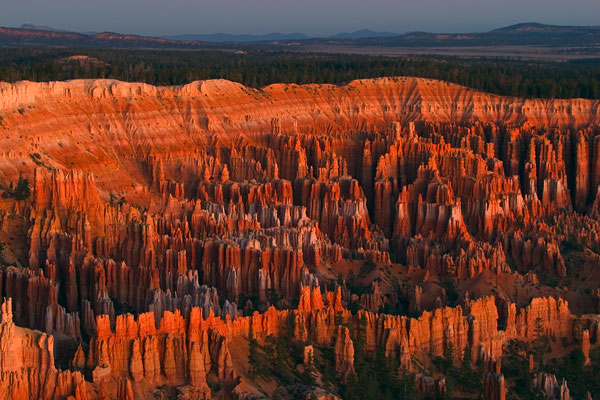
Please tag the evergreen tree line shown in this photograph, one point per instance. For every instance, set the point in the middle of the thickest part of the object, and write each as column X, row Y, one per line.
column 261, row 68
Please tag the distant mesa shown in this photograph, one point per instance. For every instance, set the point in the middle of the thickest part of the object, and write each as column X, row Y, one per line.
column 34, row 27
column 228, row 37
column 364, row 33
column 537, row 27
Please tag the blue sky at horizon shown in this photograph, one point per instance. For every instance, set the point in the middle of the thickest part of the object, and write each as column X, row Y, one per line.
column 312, row 17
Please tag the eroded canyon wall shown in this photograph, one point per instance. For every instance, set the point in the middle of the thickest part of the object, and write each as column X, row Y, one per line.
column 194, row 206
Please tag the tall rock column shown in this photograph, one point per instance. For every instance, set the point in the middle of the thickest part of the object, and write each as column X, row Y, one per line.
column 197, row 372
column 582, row 172
column 493, row 387
column 585, row 345
column 344, row 353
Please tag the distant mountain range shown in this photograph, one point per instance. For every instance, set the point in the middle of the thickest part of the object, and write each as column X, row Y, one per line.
column 364, row 33
column 34, row 27
column 228, row 37
column 41, row 28
column 515, row 35
column 45, row 36
column 531, row 34
column 535, row 27
column 276, row 36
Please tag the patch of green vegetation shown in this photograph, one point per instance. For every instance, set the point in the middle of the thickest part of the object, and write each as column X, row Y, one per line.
column 377, row 377
column 22, row 190
column 464, row 378
column 353, row 306
column 511, row 262
column 515, row 366
column 278, row 357
column 451, row 292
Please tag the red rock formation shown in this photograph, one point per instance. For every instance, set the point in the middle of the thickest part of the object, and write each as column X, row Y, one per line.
column 554, row 318
column 170, row 204
column 344, row 353
column 494, row 387
column 585, row 345
column 124, row 391
column 183, row 352
column 27, row 368
column 407, row 98
column 428, row 386
column 549, row 386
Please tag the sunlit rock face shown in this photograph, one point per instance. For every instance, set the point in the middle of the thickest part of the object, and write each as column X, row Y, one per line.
column 165, row 225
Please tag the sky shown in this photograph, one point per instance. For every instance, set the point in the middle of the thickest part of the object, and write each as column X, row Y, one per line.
column 312, row 17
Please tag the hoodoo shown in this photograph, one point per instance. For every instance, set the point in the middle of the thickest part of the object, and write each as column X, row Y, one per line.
column 299, row 240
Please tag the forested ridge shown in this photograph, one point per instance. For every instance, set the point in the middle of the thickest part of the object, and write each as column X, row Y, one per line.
column 260, row 68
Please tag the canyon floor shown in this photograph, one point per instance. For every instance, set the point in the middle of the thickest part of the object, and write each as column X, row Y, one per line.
column 388, row 238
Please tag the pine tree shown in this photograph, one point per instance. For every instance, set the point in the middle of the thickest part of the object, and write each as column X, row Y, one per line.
column 2, row 259
column 449, row 353
column 253, row 359
column 309, row 371
column 270, row 348
column 540, row 343
column 361, row 338
column 466, row 361
column 339, row 319
column 22, row 191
